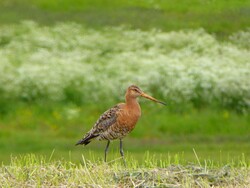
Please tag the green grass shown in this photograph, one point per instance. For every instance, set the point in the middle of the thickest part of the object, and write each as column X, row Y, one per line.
column 220, row 17
column 41, row 129
column 39, row 171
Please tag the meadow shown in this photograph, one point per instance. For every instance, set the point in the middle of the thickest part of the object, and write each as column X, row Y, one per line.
column 62, row 65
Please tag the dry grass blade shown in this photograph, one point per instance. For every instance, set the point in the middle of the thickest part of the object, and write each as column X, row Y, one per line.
column 66, row 174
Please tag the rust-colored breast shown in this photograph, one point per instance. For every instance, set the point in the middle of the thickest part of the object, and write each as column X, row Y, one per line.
column 126, row 118
column 125, row 122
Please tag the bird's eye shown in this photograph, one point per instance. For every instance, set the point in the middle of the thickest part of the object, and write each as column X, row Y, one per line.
column 136, row 90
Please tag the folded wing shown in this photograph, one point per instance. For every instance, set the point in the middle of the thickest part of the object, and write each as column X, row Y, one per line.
column 107, row 119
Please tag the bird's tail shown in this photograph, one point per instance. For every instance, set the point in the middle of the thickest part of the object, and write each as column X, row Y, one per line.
column 86, row 140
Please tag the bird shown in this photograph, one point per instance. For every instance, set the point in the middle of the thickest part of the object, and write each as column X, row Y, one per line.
column 118, row 121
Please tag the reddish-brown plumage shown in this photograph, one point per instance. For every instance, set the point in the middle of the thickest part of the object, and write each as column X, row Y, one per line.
column 118, row 121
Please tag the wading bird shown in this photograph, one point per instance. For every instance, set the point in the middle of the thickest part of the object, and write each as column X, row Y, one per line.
column 118, row 121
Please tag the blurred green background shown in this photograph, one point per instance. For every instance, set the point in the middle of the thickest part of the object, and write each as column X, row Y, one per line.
column 63, row 63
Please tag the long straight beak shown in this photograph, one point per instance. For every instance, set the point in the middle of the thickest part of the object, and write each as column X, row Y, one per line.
column 152, row 98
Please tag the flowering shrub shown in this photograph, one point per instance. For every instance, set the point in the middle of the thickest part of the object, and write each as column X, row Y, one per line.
column 71, row 62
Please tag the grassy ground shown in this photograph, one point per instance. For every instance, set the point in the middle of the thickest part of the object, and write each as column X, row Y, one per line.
column 42, row 129
column 219, row 17
column 31, row 170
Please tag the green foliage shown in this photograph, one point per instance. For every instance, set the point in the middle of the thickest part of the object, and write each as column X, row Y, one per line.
column 72, row 63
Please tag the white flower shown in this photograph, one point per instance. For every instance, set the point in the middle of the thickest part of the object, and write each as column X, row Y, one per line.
column 69, row 61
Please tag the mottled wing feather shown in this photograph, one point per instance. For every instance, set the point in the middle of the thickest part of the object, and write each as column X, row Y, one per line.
column 107, row 119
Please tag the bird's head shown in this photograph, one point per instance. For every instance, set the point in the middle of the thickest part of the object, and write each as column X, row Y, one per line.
column 134, row 91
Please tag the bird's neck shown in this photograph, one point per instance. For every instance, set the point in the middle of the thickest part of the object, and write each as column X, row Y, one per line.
column 132, row 103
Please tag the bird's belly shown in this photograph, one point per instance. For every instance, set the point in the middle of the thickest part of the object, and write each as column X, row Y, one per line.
column 115, row 133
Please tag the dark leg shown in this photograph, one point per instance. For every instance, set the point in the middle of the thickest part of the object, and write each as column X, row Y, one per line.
column 106, row 151
column 122, row 153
